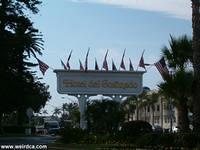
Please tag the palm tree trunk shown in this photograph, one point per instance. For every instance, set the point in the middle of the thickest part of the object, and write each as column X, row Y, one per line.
column 183, row 121
column 196, row 64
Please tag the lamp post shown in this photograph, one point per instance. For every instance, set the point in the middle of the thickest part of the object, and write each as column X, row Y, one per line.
column 170, row 106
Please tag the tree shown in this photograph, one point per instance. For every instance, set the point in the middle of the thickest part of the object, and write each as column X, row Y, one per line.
column 196, row 64
column 104, row 116
column 57, row 111
column 178, row 88
column 178, row 84
column 74, row 114
column 142, row 102
column 152, row 99
column 179, row 53
column 18, row 41
column 129, row 106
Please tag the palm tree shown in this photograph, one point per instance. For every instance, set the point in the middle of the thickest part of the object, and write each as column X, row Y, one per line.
column 196, row 64
column 178, row 86
column 129, row 105
column 142, row 102
column 74, row 114
column 57, row 111
column 152, row 99
column 179, row 54
column 44, row 112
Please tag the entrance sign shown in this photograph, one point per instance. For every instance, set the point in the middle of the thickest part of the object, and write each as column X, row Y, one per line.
column 99, row 82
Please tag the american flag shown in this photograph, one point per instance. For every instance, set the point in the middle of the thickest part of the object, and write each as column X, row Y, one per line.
column 81, row 66
column 105, row 64
column 122, row 65
column 114, row 68
column 130, row 65
column 43, row 67
column 162, row 67
column 86, row 60
column 141, row 63
column 96, row 65
column 68, row 66
column 63, row 64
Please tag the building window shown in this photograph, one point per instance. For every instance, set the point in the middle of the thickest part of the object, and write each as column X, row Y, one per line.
column 166, row 119
column 148, row 109
column 158, row 107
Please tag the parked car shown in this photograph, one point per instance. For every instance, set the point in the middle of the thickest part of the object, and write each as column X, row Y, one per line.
column 39, row 129
column 175, row 129
column 52, row 127
column 157, row 128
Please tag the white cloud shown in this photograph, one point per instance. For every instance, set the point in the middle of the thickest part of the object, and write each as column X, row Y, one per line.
column 176, row 8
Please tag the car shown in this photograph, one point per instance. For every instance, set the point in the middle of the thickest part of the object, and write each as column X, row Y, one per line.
column 39, row 129
column 157, row 128
column 175, row 128
column 52, row 127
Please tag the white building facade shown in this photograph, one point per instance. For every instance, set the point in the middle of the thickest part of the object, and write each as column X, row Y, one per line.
column 158, row 113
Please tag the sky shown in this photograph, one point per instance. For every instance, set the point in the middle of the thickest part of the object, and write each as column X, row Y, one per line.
column 136, row 25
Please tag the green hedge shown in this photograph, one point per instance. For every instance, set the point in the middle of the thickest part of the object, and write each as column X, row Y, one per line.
column 167, row 140
column 136, row 128
column 148, row 140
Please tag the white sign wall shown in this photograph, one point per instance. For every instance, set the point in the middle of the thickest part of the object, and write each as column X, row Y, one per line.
column 99, row 82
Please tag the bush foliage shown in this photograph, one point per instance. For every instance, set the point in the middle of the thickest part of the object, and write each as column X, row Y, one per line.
column 148, row 140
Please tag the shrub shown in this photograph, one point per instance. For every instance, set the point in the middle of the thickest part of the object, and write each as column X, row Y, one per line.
column 169, row 140
column 189, row 140
column 72, row 135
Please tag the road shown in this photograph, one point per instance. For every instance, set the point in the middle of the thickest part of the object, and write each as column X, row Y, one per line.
column 35, row 140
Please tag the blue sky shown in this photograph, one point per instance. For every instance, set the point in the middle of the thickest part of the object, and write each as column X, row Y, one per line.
column 108, row 24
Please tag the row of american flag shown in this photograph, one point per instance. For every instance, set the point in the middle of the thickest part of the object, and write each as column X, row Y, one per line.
column 160, row 65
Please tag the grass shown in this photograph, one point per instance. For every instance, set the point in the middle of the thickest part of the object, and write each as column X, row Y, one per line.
column 61, row 146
